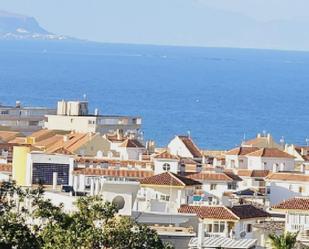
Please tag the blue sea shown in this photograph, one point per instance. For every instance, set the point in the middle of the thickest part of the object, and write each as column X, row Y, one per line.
column 219, row 95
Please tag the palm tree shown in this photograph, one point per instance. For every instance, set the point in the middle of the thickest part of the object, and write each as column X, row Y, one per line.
column 284, row 241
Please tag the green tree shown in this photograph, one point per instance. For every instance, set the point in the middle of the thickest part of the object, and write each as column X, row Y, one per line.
column 284, row 241
column 93, row 225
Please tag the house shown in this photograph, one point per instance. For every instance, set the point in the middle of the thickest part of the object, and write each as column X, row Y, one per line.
column 285, row 185
column 253, row 179
column 35, row 167
column 236, row 158
column 301, row 154
column 262, row 141
column 214, row 185
column 166, row 192
column 270, row 159
column 166, row 162
column 184, row 146
column 296, row 212
column 228, row 222
column 131, row 149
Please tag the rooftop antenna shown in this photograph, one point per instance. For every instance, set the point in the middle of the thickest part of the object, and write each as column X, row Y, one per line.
column 244, row 137
column 307, row 141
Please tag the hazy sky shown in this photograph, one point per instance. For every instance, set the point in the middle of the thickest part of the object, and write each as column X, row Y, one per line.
column 158, row 21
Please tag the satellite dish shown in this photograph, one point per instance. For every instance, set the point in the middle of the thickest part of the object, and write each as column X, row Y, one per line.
column 242, row 234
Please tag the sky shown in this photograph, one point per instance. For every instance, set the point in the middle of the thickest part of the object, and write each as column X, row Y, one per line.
column 230, row 23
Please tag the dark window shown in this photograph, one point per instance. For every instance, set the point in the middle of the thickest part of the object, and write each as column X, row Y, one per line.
column 43, row 173
column 249, row 228
column 166, row 167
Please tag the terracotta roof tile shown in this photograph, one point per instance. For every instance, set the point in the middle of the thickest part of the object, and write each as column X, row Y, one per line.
column 241, row 151
column 132, row 143
column 253, row 173
column 207, row 176
column 166, row 155
column 270, row 152
column 169, row 179
column 298, row 203
column 288, row 176
column 225, row 213
column 137, row 174
column 194, row 150
column 209, row 212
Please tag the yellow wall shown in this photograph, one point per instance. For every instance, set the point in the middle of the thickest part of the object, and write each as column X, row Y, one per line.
column 20, row 164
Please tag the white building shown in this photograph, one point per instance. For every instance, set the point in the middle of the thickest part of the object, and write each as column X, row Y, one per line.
column 166, row 192
column 166, row 162
column 184, row 146
column 283, row 185
column 296, row 212
column 301, row 154
column 236, row 158
column 215, row 184
column 235, row 222
column 74, row 116
column 270, row 159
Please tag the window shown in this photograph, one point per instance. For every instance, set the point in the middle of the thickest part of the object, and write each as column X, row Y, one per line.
column 166, row 167
column 209, row 228
column 213, row 186
column 232, row 185
column 33, row 123
column 301, row 189
column 249, row 228
column 5, row 112
column 164, row 197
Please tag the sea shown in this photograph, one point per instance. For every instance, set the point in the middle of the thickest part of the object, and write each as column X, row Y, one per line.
column 220, row 96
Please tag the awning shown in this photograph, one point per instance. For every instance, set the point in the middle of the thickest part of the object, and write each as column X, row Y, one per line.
column 221, row 242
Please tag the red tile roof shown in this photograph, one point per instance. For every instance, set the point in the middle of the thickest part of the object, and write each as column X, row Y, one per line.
column 225, row 213
column 270, row 152
column 166, row 155
column 210, row 176
column 194, row 150
column 136, row 174
column 288, row 176
column 241, row 151
column 298, row 203
column 253, row 173
column 169, row 179
column 209, row 212
column 131, row 143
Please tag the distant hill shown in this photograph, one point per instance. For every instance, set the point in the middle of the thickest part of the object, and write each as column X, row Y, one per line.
column 20, row 27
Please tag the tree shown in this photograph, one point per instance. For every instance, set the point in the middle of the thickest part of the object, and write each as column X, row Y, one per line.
column 284, row 241
column 29, row 221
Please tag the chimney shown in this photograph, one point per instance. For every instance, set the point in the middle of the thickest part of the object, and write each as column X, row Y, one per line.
column 119, row 134
column 269, row 140
column 96, row 112
column 258, row 135
column 18, row 104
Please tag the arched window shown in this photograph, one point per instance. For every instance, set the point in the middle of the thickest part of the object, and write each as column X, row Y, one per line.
column 166, row 167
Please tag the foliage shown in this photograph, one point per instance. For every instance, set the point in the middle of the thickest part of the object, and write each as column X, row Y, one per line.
column 27, row 220
column 284, row 241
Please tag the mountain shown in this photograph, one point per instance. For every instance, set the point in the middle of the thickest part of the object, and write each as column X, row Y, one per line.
column 20, row 27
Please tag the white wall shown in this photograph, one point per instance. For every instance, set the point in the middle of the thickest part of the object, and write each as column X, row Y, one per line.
column 158, row 165
column 269, row 163
column 280, row 191
column 176, row 147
